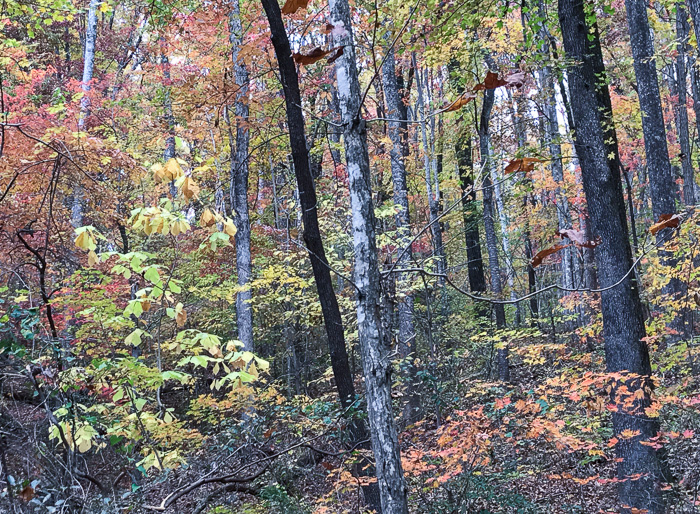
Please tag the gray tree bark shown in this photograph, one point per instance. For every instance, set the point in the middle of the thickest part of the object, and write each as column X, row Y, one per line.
column 239, row 183
column 662, row 185
column 406, row 332
column 375, row 345
column 681, row 107
column 623, row 320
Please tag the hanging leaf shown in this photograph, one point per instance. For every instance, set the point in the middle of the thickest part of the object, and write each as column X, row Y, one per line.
column 578, row 237
column 665, row 221
column 207, row 219
column 230, row 228
column 315, row 55
column 491, row 81
column 459, row 103
column 525, row 164
column 537, row 259
column 92, row 258
column 292, row 6
column 172, row 170
column 334, row 57
column 189, row 188
column 516, row 79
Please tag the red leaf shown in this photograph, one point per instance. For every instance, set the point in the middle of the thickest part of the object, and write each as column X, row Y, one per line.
column 490, row 82
column 537, row 259
column 292, row 6
column 665, row 221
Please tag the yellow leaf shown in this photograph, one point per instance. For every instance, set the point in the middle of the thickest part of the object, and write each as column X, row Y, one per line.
column 189, row 188
column 83, row 240
column 230, row 228
column 207, row 219
column 92, row 258
column 173, row 170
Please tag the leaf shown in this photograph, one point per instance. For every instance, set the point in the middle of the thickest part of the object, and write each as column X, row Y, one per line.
column 92, row 258
column 578, row 237
column 189, row 188
column 525, row 164
column 172, row 170
column 207, row 219
column 152, row 275
column 665, row 221
column 316, row 55
column 134, row 339
column 537, row 259
column 491, row 81
column 230, row 228
column 336, row 55
column 139, row 403
column 181, row 317
column 516, row 79
column 292, row 6
column 463, row 100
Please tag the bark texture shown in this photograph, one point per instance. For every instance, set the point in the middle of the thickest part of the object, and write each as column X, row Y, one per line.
column 681, row 107
column 375, row 345
column 312, row 233
column 239, row 184
column 623, row 322
column 405, row 307
column 490, row 227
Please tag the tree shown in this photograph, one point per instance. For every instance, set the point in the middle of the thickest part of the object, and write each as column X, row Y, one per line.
column 375, row 345
column 626, row 351
column 239, row 182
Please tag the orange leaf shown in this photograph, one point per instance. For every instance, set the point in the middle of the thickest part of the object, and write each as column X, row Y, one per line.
column 27, row 493
column 537, row 259
column 665, row 221
column 459, row 103
column 524, row 164
column 292, row 6
column 335, row 56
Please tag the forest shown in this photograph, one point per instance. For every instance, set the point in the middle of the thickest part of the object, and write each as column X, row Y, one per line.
column 354, row 256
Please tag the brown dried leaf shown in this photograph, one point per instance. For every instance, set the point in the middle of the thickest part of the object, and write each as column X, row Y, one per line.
column 516, row 79
column 27, row 493
column 459, row 103
column 537, row 259
column 313, row 56
column 578, row 237
column 524, row 164
column 292, row 6
column 665, row 221
column 490, row 82
column 335, row 56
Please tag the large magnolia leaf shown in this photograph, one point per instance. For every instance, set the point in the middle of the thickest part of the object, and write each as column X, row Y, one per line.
column 463, row 100
column 525, row 164
column 316, row 55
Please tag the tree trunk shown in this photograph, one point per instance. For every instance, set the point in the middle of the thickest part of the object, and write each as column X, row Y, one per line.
column 663, row 190
column 490, row 227
column 465, row 168
column 623, row 321
column 406, row 333
column 88, row 67
column 431, row 174
column 681, row 107
column 312, row 233
column 375, row 345
column 239, row 183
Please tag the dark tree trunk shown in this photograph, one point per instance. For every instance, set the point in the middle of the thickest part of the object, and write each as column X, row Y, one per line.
column 490, row 227
column 623, row 321
column 663, row 191
column 312, row 233
column 465, row 167
column 239, row 184
column 681, row 107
